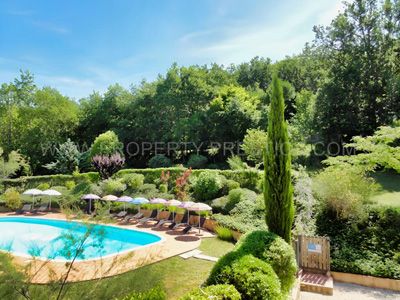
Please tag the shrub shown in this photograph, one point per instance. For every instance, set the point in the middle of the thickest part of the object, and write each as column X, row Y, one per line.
column 81, row 188
column 304, row 221
column 43, row 186
column 247, row 215
column 108, row 165
column 106, row 144
column 67, row 158
column 112, row 186
column 160, row 161
column 197, row 161
column 216, row 292
column 246, row 178
column 207, row 186
column 366, row 246
column 182, row 185
column 163, row 188
column 254, row 142
column 148, row 190
column 218, row 204
column 70, row 184
column 12, row 198
column 134, row 181
column 274, row 250
column 344, row 191
column 237, row 195
column 252, row 277
column 224, row 233
column 231, row 184
column 156, row 293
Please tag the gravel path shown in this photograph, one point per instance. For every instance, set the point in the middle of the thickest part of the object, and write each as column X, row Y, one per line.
column 345, row 291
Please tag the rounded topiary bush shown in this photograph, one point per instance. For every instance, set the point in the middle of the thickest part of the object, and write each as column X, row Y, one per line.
column 231, row 184
column 216, row 292
column 274, row 250
column 207, row 186
column 133, row 181
column 224, row 262
column 160, row 161
column 197, row 161
column 253, row 278
column 43, row 186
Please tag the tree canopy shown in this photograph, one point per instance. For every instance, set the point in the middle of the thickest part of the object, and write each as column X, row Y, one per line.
column 345, row 83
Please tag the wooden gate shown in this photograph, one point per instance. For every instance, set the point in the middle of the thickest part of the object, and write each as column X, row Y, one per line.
column 313, row 254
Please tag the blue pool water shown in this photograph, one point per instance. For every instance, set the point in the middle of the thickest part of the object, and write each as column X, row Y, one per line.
column 62, row 240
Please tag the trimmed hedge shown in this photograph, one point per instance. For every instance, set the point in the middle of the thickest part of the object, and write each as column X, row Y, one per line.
column 266, row 246
column 26, row 182
column 216, row 292
column 252, row 277
column 247, row 178
column 274, row 250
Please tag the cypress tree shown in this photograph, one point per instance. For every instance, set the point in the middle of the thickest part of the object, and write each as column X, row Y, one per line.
column 278, row 190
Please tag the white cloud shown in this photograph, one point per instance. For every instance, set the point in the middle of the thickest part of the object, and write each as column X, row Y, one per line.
column 244, row 39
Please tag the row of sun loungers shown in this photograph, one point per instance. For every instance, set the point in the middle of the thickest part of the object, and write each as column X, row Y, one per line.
column 28, row 208
column 154, row 216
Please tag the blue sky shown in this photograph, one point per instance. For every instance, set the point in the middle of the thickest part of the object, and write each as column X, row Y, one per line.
column 81, row 46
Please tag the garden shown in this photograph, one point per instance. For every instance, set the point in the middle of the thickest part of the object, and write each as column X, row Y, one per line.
column 270, row 148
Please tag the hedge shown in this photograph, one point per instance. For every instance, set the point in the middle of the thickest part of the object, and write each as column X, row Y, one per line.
column 26, row 182
column 247, row 178
column 253, row 278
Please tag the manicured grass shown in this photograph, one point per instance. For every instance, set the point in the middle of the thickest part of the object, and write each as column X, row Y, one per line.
column 389, row 195
column 176, row 275
column 215, row 247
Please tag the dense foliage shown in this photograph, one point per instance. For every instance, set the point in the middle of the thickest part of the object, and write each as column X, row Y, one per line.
column 67, row 158
column 261, row 266
column 344, row 192
column 253, row 278
column 274, row 250
column 370, row 246
column 216, row 292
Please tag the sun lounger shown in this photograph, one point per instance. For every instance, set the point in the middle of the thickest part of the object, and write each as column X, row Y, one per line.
column 184, row 221
column 128, row 218
column 152, row 216
column 187, row 229
column 42, row 208
column 24, row 209
column 165, row 220
column 121, row 214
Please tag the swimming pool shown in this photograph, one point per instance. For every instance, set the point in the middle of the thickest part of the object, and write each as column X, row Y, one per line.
column 64, row 240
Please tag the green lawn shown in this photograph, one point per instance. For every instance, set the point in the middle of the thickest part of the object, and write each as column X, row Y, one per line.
column 389, row 195
column 176, row 275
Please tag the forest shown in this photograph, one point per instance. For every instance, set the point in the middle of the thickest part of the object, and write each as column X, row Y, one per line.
column 345, row 83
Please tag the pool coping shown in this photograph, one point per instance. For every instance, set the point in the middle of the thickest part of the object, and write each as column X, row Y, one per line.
column 162, row 239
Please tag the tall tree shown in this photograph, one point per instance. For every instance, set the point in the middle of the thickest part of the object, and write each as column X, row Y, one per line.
column 278, row 190
column 359, row 45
